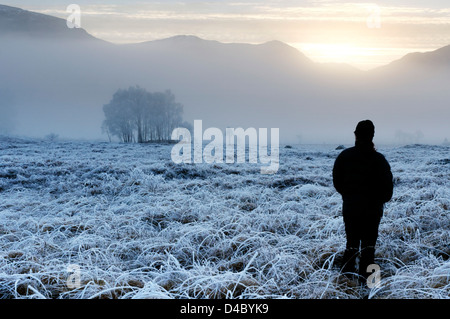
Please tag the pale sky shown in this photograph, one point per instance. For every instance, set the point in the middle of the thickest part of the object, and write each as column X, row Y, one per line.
column 363, row 34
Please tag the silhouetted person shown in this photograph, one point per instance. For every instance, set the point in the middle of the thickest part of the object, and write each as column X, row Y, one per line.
column 363, row 177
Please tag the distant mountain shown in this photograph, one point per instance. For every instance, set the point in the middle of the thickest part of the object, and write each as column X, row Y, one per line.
column 16, row 22
column 250, row 53
column 60, row 78
column 437, row 58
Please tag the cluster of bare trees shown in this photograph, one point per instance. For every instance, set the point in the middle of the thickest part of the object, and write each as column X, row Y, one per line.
column 135, row 115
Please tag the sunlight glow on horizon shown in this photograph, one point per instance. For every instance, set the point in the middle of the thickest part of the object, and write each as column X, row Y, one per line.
column 363, row 58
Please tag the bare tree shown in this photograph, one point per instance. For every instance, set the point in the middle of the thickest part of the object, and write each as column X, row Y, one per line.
column 137, row 115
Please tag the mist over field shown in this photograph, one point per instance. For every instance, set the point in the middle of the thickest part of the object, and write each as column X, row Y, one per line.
column 60, row 78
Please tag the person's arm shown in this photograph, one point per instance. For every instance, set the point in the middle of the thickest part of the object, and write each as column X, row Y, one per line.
column 387, row 183
column 337, row 174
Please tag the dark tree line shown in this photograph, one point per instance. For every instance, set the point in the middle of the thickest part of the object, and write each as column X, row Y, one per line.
column 135, row 115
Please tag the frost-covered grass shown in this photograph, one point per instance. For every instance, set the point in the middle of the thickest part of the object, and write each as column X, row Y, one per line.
column 139, row 226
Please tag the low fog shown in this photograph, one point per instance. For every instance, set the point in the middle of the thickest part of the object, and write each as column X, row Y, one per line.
column 56, row 80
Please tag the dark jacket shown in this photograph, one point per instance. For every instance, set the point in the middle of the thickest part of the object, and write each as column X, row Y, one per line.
column 361, row 174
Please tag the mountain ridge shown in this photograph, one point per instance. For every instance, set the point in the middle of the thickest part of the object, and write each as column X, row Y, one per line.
column 57, row 27
column 19, row 22
column 64, row 84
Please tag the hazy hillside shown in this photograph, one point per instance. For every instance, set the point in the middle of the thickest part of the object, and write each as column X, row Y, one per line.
column 60, row 78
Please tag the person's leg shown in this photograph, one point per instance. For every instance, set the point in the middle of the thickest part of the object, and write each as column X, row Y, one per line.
column 349, row 260
column 368, row 240
column 352, row 232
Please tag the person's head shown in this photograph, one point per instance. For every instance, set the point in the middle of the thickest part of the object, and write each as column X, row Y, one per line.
column 365, row 131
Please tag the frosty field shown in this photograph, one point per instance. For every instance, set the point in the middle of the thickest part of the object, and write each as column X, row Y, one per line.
column 139, row 226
